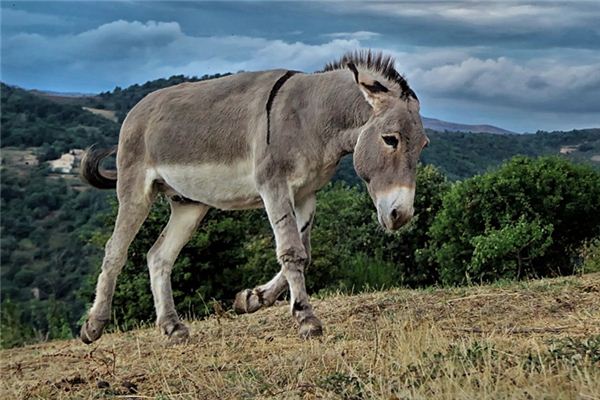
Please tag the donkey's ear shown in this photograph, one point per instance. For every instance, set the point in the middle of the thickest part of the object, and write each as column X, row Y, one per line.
column 374, row 92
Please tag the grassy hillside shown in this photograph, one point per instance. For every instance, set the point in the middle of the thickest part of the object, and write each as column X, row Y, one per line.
column 531, row 340
column 30, row 120
column 461, row 155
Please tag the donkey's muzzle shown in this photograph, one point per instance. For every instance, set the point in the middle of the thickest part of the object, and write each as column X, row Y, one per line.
column 396, row 219
column 395, row 207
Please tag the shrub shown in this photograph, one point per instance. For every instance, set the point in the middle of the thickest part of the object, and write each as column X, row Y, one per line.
column 527, row 218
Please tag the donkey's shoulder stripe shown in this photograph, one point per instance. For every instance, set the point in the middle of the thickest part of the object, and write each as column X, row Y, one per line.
column 272, row 95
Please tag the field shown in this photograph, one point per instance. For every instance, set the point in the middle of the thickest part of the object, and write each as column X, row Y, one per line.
column 108, row 114
column 529, row 340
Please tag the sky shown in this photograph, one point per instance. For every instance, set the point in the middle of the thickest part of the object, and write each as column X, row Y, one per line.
column 519, row 65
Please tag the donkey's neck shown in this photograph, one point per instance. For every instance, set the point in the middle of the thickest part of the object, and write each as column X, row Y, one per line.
column 346, row 111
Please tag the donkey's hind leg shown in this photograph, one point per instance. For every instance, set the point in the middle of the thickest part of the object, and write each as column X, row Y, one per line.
column 251, row 300
column 184, row 219
column 134, row 206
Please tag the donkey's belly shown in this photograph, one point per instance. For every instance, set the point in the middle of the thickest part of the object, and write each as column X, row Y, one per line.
column 227, row 187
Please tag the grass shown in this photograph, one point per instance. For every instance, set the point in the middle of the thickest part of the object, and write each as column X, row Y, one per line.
column 527, row 340
column 108, row 114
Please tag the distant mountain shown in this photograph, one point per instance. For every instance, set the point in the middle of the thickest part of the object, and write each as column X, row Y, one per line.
column 442, row 126
column 61, row 94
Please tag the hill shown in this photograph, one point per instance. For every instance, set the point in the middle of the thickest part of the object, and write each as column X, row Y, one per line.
column 461, row 155
column 442, row 126
column 531, row 340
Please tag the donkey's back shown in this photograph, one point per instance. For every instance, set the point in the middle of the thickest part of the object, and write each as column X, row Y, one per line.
column 214, row 121
column 196, row 140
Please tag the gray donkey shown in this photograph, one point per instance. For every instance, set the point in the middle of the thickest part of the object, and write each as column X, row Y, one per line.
column 259, row 139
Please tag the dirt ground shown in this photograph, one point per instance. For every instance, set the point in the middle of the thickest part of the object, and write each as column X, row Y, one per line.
column 528, row 340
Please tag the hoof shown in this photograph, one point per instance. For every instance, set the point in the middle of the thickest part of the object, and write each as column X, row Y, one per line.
column 91, row 330
column 310, row 327
column 247, row 301
column 178, row 333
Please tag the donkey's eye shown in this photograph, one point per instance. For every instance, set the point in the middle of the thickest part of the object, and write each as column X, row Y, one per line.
column 391, row 140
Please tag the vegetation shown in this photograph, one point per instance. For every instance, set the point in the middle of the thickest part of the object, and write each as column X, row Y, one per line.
column 590, row 256
column 45, row 254
column 53, row 229
column 461, row 155
column 33, row 121
column 526, row 340
column 528, row 218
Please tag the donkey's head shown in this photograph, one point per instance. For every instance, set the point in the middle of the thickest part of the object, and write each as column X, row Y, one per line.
column 389, row 146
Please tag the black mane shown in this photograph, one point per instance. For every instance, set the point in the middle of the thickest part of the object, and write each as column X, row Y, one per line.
column 375, row 61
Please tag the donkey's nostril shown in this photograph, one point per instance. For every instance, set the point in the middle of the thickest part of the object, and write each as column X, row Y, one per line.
column 394, row 214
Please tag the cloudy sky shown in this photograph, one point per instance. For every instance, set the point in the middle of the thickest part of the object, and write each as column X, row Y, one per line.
column 520, row 65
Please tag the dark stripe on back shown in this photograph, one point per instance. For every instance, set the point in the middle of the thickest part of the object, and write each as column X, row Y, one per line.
column 272, row 95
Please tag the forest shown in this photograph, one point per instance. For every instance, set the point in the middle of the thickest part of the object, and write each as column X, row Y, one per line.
column 488, row 207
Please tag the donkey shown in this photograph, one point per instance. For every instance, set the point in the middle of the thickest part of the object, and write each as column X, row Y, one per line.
column 267, row 139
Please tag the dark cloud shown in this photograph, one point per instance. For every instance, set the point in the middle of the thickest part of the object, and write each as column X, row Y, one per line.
column 540, row 58
column 503, row 24
column 536, row 84
column 121, row 53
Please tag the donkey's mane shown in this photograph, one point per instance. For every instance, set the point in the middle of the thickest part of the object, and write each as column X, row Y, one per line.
column 377, row 62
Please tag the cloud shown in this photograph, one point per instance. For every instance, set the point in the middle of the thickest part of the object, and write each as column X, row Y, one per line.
column 541, row 85
column 126, row 52
column 359, row 35
column 272, row 54
column 501, row 23
column 122, row 52
column 521, row 15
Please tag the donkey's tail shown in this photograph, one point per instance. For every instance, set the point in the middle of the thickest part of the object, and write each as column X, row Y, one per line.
column 90, row 168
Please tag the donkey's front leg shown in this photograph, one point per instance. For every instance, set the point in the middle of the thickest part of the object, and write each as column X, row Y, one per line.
column 293, row 258
column 251, row 300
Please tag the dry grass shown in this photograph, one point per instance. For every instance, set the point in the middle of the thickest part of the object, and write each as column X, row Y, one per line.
column 108, row 114
column 531, row 340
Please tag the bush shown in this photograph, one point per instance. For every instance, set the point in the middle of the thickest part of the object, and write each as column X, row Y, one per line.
column 525, row 219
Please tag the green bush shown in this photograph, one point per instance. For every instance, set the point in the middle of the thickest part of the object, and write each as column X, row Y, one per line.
column 506, row 252
column 527, row 218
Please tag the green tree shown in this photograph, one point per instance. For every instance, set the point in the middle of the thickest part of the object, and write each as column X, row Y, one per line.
column 13, row 331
